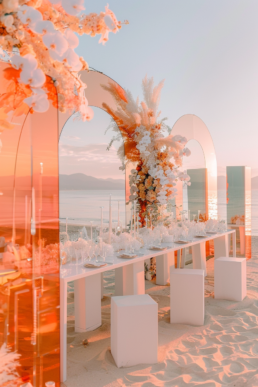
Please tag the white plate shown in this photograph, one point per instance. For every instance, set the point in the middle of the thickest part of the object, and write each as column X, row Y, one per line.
column 127, row 256
column 94, row 265
column 157, row 248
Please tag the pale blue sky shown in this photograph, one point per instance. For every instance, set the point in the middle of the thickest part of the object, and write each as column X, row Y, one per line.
column 207, row 52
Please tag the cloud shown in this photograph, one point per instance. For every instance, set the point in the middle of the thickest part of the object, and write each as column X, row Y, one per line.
column 90, row 152
column 72, row 138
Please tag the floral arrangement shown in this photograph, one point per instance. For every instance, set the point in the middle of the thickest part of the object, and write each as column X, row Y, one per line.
column 148, row 143
column 38, row 38
column 238, row 219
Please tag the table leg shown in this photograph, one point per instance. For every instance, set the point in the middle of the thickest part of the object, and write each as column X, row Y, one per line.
column 163, row 264
column 63, row 330
column 129, row 279
column 242, row 240
column 199, row 256
column 182, row 262
column 87, row 303
column 221, row 247
column 234, row 243
column 102, row 286
column 178, row 258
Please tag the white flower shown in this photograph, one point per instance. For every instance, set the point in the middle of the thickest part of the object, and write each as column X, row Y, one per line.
column 35, row 78
column 7, row 20
column 27, row 62
column 10, row 5
column 178, row 138
column 72, row 39
column 72, row 60
column 19, row 34
column 55, row 42
column 109, row 22
column 186, row 152
column 86, row 113
column 38, row 102
column 73, row 7
column 44, row 26
column 29, row 15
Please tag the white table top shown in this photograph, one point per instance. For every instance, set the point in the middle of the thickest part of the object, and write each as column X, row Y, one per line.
column 235, row 225
column 72, row 271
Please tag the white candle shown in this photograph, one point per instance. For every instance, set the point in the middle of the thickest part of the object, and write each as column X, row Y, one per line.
column 137, row 224
column 33, row 216
column 189, row 215
column 199, row 212
column 91, row 231
column 110, row 221
column 118, row 215
column 101, row 222
column 131, row 220
column 134, row 217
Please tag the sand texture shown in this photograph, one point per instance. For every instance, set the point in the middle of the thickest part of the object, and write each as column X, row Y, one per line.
column 223, row 352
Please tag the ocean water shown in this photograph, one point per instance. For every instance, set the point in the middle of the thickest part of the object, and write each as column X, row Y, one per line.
column 81, row 207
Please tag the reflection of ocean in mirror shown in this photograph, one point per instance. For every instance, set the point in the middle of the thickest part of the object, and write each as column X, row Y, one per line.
column 84, row 206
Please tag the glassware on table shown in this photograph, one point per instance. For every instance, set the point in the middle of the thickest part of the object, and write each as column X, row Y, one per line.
column 78, row 256
column 103, row 253
column 91, row 252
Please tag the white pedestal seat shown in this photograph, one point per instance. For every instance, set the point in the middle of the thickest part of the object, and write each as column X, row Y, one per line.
column 134, row 330
column 87, row 303
column 130, row 279
column 199, row 256
column 230, row 278
column 221, row 246
column 163, row 264
column 187, row 296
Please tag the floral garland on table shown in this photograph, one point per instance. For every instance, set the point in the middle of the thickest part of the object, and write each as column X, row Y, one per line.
column 147, row 142
column 37, row 38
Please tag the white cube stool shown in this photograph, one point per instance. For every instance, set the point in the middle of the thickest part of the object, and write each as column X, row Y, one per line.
column 134, row 330
column 187, row 296
column 163, row 264
column 230, row 278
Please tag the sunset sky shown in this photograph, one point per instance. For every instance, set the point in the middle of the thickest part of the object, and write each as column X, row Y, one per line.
column 207, row 52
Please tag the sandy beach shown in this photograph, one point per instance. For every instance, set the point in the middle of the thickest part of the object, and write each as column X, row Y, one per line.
column 223, row 352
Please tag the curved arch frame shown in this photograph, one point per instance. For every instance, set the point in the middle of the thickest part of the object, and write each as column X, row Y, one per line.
column 97, row 96
column 193, row 128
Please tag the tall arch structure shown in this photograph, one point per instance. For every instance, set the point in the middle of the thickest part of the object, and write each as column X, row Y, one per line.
column 94, row 92
column 97, row 95
column 193, row 128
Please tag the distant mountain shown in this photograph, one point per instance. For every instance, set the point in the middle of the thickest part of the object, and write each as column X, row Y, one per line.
column 79, row 181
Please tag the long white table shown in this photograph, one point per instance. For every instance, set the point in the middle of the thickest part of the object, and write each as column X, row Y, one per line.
column 129, row 280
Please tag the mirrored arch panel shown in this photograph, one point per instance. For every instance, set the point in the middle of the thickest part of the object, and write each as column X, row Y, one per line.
column 29, row 237
column 193, row 128
column 89, row 175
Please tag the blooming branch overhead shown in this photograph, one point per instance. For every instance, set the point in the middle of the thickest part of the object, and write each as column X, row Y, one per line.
column 38, row 38
column 156, row 154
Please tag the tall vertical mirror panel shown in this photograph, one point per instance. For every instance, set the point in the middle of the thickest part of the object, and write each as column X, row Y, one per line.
column 90, row 177
column 29, row 236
